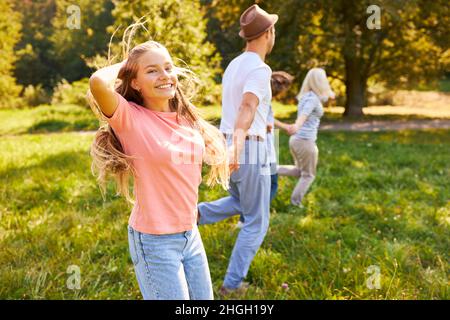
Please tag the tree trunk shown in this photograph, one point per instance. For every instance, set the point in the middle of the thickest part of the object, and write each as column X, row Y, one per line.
column 355, row 89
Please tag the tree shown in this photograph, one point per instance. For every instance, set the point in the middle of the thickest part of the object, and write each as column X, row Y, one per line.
column 73, row 44
column 410, row 48
column 181, row 27
column 399, row 54
column 10, row 29
column 223, row 26
column 49, row 50
column 35, row 64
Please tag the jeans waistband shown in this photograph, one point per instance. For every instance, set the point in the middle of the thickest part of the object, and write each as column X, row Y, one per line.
column 186, row 233
column 248, row 137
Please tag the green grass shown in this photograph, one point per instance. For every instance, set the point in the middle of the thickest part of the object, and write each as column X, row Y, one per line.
column 379, row 199
column 444, row 85
column 46, row 118
column 288, row 113
column 68, row 118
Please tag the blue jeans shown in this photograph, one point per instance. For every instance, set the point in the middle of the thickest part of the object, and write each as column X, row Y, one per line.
column 273, row 189
column 249, row 194
column 273, row 185
column 170, row 266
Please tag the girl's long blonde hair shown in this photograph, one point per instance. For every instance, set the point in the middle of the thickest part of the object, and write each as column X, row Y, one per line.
column 316, row 81
column 108, row 156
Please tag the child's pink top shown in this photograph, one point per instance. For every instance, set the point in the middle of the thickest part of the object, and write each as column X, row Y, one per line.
column 167, row 165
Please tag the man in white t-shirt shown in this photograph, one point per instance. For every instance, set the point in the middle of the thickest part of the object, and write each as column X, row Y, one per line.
column 246, row 98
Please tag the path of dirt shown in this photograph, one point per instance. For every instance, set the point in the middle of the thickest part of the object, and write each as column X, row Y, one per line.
column 371, row 126
column 387, row 125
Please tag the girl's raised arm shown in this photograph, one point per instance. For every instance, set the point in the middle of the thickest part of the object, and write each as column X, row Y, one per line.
column 101, row 86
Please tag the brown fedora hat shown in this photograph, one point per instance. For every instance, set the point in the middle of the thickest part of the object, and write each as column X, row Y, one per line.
column 255, row 21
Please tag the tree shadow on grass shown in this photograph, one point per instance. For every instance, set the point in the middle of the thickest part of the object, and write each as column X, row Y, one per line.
column 49, row 126
column 54, row 125
column 29, row 186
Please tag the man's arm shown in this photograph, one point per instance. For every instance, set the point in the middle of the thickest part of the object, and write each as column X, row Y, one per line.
column 245, row 117
column 280, row 125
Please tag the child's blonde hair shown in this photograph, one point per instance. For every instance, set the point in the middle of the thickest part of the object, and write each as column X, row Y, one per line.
column 316, row 80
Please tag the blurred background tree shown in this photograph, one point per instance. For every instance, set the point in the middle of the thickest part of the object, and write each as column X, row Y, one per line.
column 10, row 29
column 72, row 47
column 409, row 50
column 49, row 53
column 35, row 66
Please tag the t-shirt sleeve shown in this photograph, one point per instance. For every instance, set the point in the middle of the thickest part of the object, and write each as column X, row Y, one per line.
column 121, row 119
column 257, row 82
column 306, row 107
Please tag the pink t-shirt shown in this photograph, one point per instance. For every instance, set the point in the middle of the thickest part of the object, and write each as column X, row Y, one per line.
column 168, row 167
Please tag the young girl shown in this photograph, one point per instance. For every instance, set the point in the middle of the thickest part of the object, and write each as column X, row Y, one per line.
column 315, row 90
column 154, row 135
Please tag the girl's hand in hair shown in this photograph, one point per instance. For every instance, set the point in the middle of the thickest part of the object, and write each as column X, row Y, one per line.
column 102, row 90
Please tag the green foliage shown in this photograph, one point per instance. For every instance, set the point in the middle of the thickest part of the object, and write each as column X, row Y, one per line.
column 36, row 64
column 410, row 49
column 10, row 31
column 49, row 47
column 71, row 46
column 71, row 93
column 223, row 26
column 181, row 27
column 9, row 92
column 336, row 36
column 444, row 85
column 35, row 95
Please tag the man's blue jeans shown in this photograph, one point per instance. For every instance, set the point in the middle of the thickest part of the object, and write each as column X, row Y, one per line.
column 249, row 193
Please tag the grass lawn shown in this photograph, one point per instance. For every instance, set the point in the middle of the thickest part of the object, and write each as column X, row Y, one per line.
column 67, row 118
column 46, row 118
column 379, row 199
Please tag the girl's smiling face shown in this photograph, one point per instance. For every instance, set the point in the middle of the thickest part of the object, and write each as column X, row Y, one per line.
column 156, row 78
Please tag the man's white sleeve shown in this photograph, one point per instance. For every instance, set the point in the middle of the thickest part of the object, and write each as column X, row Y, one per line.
column 258, row 82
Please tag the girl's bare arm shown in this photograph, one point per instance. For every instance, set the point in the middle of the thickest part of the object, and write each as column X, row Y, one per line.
column 101, row 85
